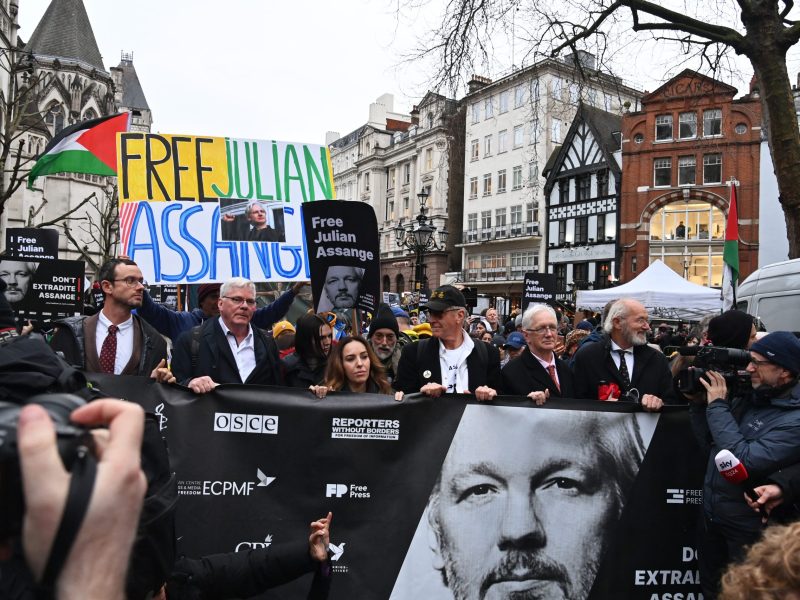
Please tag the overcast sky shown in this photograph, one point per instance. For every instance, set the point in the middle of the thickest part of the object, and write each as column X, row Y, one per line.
column 270, row 70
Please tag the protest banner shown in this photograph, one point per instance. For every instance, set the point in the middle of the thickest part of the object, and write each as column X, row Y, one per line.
column 31, row 242
column 197, row 209
column 597, row 499
column 343, row 249
column 43, row 290
column 539, row 288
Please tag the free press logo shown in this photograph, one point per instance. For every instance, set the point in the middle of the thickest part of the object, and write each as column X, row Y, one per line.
column 684, row 496
column 342, row 490
column 244, row 423
column 223, row 487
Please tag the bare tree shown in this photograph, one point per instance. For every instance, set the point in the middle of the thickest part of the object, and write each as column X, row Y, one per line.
column 100, row 226
column 710, row 31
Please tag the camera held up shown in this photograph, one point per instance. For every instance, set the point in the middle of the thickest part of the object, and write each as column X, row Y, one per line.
column 728, row 362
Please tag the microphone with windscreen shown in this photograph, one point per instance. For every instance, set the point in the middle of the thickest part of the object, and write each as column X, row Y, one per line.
column 733, row 471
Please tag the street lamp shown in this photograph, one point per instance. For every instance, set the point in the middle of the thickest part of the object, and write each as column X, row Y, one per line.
column 419, row 237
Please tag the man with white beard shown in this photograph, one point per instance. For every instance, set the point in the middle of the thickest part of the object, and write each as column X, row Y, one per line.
column 622, row 363
column 383, row 335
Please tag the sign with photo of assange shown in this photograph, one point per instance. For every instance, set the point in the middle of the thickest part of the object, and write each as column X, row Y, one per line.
column 539, row 288
column 197, row 209
column 43, row 290
column 343, row 252
column 439, row 499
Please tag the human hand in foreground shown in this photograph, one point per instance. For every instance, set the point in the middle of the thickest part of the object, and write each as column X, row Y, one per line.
column 201, row 385
column 98, row 559
column 162, row 374
column 319, row 538
column 540, row 397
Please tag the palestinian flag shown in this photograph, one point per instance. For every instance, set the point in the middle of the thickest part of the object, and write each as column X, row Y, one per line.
column 87, row 147
column 730, row 254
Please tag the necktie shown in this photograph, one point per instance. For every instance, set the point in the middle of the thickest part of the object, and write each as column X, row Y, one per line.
column 552, row 370
column 108, row 353
column 623, row 370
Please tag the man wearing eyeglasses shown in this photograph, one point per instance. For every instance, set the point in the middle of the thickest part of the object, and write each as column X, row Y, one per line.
column 451, row 362
column 622, row 360
column 114, row 340
column 762, row 430
column 383, row 335
column 227, row 349
column 539, row 373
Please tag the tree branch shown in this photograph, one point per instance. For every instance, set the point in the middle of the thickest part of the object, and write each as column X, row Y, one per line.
column 64, row 216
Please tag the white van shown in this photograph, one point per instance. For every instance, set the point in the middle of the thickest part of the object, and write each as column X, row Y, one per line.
column 772, row 294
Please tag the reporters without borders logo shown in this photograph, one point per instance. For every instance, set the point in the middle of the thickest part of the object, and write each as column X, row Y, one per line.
column 243, row 423
column 684, row 496
column 223, row 488
column 365, row 429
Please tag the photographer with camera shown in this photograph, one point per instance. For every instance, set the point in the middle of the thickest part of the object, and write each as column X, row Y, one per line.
column 760, row 426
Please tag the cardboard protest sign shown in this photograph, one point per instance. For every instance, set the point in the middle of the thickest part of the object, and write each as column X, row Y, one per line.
column 44, row 290
column 197, row 209
column 604, row 498
column 342, row 242
column 31, row 242
column 539, row 287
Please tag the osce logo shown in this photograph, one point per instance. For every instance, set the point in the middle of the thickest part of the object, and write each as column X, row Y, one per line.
column 242, row 423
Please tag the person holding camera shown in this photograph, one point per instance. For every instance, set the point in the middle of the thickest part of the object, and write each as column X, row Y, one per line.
column 760, row 427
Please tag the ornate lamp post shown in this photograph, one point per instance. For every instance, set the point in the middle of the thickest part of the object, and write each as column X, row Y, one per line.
column 419, row 237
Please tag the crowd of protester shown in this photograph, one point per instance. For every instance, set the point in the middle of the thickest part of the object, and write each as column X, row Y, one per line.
column 540, row 354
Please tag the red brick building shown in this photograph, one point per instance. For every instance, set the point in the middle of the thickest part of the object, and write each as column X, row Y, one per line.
column 679, row 154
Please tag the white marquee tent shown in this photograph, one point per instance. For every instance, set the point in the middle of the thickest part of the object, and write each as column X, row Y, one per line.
column 664, row 293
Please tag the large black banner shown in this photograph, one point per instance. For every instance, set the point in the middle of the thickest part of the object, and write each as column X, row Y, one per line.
column 439, row 499
column 343, row 253
column 43, row 290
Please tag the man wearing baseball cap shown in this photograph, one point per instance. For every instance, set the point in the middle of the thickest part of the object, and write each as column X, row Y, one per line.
column 762, row 430
column 450, row 362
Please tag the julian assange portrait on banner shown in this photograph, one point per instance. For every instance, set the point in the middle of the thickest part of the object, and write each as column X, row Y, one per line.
column 341, row 288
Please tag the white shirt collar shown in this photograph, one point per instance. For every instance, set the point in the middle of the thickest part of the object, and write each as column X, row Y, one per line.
column 124, row 326
column 226, row 331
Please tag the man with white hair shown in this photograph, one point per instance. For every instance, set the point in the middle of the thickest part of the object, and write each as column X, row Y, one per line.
column 227, row 349
column 539, row 373
column 622, row 364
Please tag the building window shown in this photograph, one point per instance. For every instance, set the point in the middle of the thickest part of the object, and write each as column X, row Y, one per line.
column 473, row 188
column 390, row 209
column 89, row 115
column 740, row 128
column 557, row 88
column 486, row 219
column 687, row 167
column 534, row 137
column 602, row 182
column 429, row 119
column 691, row 221
column 563, row 191
column 712, row 122
column 487, row 184
column 488, row 108
column 687, row 125
column 533, row 173
column 584, row 189
column 475, row 149
column 662, row 168
column 521, row 263
column 428, row 159
column 400, row 283
column 487, row 145
column 574, row 93
column 580, row 274
column 663, row 127
column 366, row 182
column 501, row 181
column 712, row 168
column 472, row 221
column 387, row 284
column 500, row 220
column 561, row 277
column 391, row 179
column 476, row 112
column 535, row 90
column 405, row 205
column 518, row 136
column 600, row 235
column 493, row 266
column 406, row 173
column 502, row 141
column 581, row 230
column 55, row 117
column 555, row 133
column 607, row 102
column 519, row 96
column 516, row 215
column 504, row 102
column 592, row 96
column 532, row 210
column 516, row 177
column 562, row 232
column 602, row 272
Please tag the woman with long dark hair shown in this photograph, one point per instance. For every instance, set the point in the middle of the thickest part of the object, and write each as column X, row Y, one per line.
column 353, row 367
column 312, row 345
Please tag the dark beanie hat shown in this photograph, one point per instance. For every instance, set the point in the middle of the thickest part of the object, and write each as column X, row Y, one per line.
column 206, row 289
column 384, row 319
column 7, row 320
column 731, row 329
column 781, row 348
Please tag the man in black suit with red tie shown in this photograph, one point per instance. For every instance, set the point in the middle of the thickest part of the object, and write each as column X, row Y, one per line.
column 538, row 373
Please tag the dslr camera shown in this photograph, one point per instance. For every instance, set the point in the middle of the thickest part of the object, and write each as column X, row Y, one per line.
column 72, row 442
column 728, row 362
